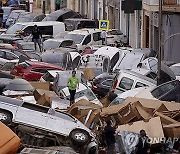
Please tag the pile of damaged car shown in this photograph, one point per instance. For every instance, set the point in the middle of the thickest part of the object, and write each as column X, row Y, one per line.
column 75, row 93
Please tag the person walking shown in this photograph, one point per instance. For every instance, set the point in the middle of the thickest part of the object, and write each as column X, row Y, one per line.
column 109, row 133
column 104, row 37
column 37, row 37
column 73, row 84
column 142, row 146
column 1, row 17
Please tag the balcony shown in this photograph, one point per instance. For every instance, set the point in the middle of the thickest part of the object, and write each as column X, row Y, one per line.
column 171, row 2
column 168, row 5
column 171, row 5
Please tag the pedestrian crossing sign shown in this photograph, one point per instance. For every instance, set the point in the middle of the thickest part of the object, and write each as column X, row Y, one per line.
column 104, row 25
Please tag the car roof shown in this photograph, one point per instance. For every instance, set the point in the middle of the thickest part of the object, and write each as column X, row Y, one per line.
column 41, row 64
column 42, row 23
column 58, row 40
column 107, row 50
column 18, row 11
column 85, row 31
column 79, row 19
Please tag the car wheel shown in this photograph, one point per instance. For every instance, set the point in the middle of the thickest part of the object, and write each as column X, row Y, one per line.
column 5, row 117
column 79, row 137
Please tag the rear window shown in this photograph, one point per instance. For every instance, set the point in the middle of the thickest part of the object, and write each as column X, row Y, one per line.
column 139, row 84
column 24, row 65
column 126, row 83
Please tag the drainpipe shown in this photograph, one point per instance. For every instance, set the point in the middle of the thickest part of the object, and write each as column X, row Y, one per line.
column 104, row 9
column 82, row 7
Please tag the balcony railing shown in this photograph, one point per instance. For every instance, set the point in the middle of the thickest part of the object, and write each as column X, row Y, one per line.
column 171, row 2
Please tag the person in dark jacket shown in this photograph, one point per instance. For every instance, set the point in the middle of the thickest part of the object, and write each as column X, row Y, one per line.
column 109, row 132
column 37, row 37
column 142, row 146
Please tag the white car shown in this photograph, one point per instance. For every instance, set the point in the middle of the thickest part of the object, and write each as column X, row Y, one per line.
column 142, row 92
column 176, row 69
column 57, row 43
column 85, row 38
column 84, row 92
column 36, row 118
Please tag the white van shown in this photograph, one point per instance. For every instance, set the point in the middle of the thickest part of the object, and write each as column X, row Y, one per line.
column 46, row 28
column 127, row 80
column 85, row 38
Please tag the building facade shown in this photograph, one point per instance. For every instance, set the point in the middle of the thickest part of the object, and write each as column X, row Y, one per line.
column 170, row 26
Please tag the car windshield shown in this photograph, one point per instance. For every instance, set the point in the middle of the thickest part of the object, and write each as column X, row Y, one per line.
column 26, row 46
column 14, row 15
column 7, row 10
column 77, row 38
column 24, row 65
column 176, row 70
column 50, row 44
column 50, row 18
column 116, row 101
column 8, row 66
column 13, row 29
column 87, row 92
column 48, row 77
column 24, row 19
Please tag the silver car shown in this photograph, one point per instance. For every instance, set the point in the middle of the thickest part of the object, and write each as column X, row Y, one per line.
column 65, row 128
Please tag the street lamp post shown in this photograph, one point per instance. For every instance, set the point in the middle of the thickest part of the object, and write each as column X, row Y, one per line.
column 160, row 42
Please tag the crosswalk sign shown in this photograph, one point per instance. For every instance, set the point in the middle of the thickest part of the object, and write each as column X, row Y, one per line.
column 104, row 25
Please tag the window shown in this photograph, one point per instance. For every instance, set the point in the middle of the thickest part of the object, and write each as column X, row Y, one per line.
column 97, row 36
column 46, row 30
column 114, row 60
column 10, row 56
column 64, row 116
column 153, row 65
column 66, row 43
column 87, row 40
column 159, row 91
column 152, row 75
column 139, row 84
column 126, row 83
column 108, row 83
column 40, row 70
column 2, row 54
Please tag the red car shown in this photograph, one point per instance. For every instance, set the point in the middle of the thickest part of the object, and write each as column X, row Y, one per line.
column 32, row 71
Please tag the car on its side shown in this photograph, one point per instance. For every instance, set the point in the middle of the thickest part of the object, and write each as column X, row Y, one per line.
column 46, row 122
column 83, row 92
column 61, row 15
column 127, row 80
column 102, row 84
column 33, row 71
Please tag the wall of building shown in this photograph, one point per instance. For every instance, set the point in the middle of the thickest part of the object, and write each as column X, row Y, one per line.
column 171, row 26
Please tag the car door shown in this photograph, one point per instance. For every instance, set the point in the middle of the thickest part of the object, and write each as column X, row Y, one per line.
column 61, row 123
column 86, row 41
column 31, row 114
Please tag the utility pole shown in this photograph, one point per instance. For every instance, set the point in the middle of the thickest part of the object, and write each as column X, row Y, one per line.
column 160, row 43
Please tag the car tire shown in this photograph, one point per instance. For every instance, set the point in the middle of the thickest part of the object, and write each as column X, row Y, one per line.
column 79, row 137
column 5, row 117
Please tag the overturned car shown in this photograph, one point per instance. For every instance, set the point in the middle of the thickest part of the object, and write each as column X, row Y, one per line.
column 41, row 126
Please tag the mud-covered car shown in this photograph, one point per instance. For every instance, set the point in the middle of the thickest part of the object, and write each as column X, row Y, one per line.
column 42, row 126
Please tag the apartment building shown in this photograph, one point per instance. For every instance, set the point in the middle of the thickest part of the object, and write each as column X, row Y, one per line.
column 170, row 26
